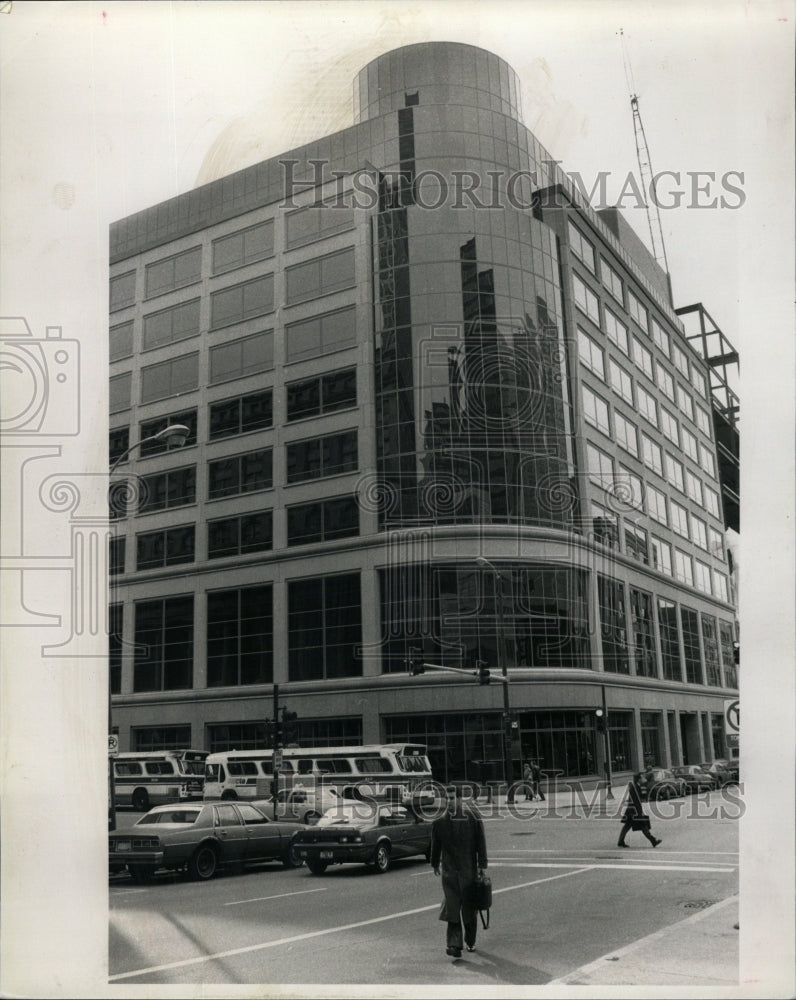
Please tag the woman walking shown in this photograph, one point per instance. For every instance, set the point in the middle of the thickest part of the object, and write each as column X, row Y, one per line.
column 634, row 818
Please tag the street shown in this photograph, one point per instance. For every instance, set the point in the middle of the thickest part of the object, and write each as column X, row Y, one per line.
column 564, row 896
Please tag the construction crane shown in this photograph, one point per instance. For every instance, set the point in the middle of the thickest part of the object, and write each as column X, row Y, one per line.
column 645, row 165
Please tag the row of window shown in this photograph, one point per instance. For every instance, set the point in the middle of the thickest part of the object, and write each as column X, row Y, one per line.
column 246, row 246
column 242, row 534
column 614, row 285
column 239, row 358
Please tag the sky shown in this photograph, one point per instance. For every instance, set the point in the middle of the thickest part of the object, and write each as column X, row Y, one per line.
column 106, row 109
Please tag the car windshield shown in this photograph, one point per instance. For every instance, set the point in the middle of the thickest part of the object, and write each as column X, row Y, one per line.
column 350, row 814
column 184, row 816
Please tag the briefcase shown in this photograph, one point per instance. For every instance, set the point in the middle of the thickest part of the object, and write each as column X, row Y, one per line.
column 481, row 897
column 640, row 823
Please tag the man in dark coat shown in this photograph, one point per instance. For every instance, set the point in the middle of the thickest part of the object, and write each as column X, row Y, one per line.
column 458, row 841
column 634, row 818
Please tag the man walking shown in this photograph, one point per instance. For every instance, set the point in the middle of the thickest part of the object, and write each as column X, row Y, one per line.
column 634, row 818
column 458, row 842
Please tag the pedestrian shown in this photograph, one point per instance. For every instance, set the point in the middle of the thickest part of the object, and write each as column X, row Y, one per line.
column 536, row 781
column 527, row 777
column 634, row 817
column 458, row 844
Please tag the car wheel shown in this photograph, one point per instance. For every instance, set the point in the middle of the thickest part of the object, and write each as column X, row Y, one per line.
column 317, row 867
column 310, row 817
column 141, row 873
column 291, row 858
column 203, row 863
column 381, row 859
column 140, row 800
column 229, row 794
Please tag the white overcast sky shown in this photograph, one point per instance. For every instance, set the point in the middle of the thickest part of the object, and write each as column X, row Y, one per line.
column 106, row 109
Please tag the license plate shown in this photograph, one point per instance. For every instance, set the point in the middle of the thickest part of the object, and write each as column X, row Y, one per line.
column 326, row 854
column 123, row 845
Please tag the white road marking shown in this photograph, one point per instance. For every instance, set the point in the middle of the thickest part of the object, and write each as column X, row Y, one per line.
column 259, row 899
column 649, row 867
column 552, row 850
column 314, row 934
column 599, row 963
column 126, row 892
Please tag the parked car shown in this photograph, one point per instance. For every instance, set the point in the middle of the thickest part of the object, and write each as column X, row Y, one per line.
column 660, row 783
column 696, row 778
column 304, row 805
column 724, row 772
column 200, row 838
column 368, row 833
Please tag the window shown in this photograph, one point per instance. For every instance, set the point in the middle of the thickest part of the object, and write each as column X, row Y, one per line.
column 612, row 281
column 116, row 556
column 710, row 644
column 319, row 335
column 315, row 222
column 661, row 555
column 242, row 357
column 694, row 487
column 712, row 502
column 693, row 657
column 241, row 474
column 665, row 381
column 240, row 637
column 683, row 570
column 169, row 378
column 168, row 547
column 590, row 354
column 647, row 406
column 727, row 649
column 628, row 489
column 660, row 336
column 703, row 421
column 699, row 532
column 319, row 277
column 636, row 545
column 236, row 736
column 716, row 543
column 680, row 360
column 656, row 504
column 322, row 521
column 626, row 434
column 698, row 381
column 670, row 640
column 669, row 426
column 314, row 396
column 637, row 310
column 702, row 576
column 613, row 625
column 642, row 357
column 233, row 536
column 244, row 247
column 674, row 472
column 595, row 411
column 164, row 490
column 120, row 341
column 601, row 467
column 707, row 461
column 119, row 392
column 171, row 325
column 241, row 302
column 721, row 587
column 604, row 526
column 118, row 443
column 122, row 291
column 622, row 383
column 148, row 739
column 679, row 519
column 581, row 247
column 685, row 402
column 653, row 457
column 317, row 458
column 324, row 627
column 164, row 644
column 617, row 332
column 174, row 272
column 230, row 417
column 586, row 300
column 643, row 633
column 115, row 639
column 149, row 428
column 690, row 445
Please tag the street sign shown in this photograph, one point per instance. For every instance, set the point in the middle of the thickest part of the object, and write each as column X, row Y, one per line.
column 731, row 716
column 113, row 744
column 732, row 740
column 277, row 761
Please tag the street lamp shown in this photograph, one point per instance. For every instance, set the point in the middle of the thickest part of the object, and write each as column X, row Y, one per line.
column 175, row 436
column 501, row 651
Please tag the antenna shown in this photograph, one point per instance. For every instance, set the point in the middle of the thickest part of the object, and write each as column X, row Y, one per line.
column 644, row 163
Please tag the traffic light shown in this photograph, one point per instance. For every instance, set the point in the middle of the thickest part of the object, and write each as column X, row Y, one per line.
column 416, row 661
column 482, row 671
column 270, row 733
column 599, row 716
column 289, row 726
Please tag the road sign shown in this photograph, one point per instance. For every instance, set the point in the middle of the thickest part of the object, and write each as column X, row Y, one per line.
column 731, row 716
column 113, row 744
column 732, row 740
column 277, row 761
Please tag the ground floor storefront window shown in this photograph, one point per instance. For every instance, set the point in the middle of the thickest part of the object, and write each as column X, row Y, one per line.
column 162, row 738
column 651, row 739
column 560, row 741
column 460, row 746
column 620, row 729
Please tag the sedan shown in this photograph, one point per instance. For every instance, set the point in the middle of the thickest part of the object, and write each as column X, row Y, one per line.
column 696, row 778
column 660, row 783
column 723, row 773
column 304, row 805
column 363, row 833
column 199, row 839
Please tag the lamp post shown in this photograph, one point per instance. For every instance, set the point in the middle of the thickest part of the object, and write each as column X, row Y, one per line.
column 175, row 435
column 502, row 666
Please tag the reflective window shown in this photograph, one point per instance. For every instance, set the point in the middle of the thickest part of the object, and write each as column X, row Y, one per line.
column 621, row 382
column 665, row 381
column 693, row 657
column 698, row 381
column 115, row 640
column 674, row 472
column 319, row 277
column 690, row 445
column 319, row 335
column 670, row 640
column 586, row 300
column 637, row 310
column 169, row 378
column 120, row 343
column 581, row 247
column 116, row 555
column 703, row 420
column 118, row 443
column 591, row 354
column 165, row 548
column 240, row 637
column 601, row 467
column 661, row 555
column 163, row 644
column 721, row 590
column 680, row 360
column 716, row 543
column 669, row 426
column 629, row 489
column 636, row 545
column 712, row 502
column 319, row 457
column 323, row 394
column 122, row 291
column 119, row 392
column 679, row 519
column 613, row 625
column 230, row 417
column 322, row 520
column 240, row 474
column 643, row 633
column 149, row 428
column 324, row 627
column 241, row 302
column 612, row 281
column 653, row 457
column 647, row 406
column 683, row 570
column 694, row 487
column 173, row 272
column 656, row 504
column 244, row 247
column 626, row 434
column 233, row 536
column 164, row 490
column 595, row 410
column 685, row 402
column 710, row 644
column 171, row 325
column 702, row 576
column 642, row 357
column 242, row 357
column 605, row 526
column 660, row 336
column 306, row 225
column 617, row 331
column 707, row 461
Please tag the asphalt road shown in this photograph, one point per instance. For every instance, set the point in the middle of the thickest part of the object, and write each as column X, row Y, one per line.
column 564, row 896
